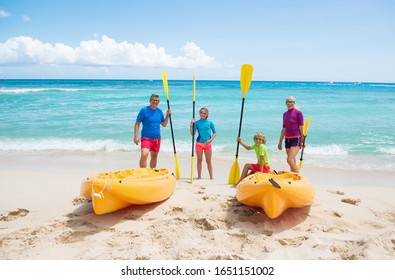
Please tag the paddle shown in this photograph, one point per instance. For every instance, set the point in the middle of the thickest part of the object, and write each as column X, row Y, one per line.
column 166, row 87
column 245, row 82
column 305, row 128
column 193, row 128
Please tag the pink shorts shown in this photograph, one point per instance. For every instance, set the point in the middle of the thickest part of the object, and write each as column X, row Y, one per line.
column 201, row 147
column 151, row 144
column 257, row 168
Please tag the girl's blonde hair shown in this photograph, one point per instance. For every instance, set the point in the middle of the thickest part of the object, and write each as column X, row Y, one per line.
column 261, row 135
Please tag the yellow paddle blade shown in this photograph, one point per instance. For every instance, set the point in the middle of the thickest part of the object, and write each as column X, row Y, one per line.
column 245, row 78
column 192, row 168
column 177, row 167
column 165, row 86
column 305, row 129
column 194, row 88
column 234, row 174
column 306, row 126
column 300, row 164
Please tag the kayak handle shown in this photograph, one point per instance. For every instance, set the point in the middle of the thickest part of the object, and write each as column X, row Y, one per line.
column 274, row 183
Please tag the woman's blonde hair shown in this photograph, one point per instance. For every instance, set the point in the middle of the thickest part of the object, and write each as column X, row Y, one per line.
column 291, row 98
column 261, row 135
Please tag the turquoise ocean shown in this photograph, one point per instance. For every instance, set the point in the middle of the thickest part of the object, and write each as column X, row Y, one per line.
column 351, row 127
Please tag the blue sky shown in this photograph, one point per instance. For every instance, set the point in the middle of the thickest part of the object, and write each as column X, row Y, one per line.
column 127, row 39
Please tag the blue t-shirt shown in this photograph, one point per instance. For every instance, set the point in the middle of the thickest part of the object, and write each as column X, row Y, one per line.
column 151, row 120
column 204, row 127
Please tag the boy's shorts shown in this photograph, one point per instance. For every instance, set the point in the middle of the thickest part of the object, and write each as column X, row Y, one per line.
column 201, row 147
column 151, row 144
column 292, row 142
column 257, row 168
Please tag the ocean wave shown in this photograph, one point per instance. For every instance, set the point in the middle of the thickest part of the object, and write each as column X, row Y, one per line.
column 182, row 146
column 387, row 150
column 76, row 144
column 326, row 150
column 33, row 90
column 385, row 85
column 25, row 145
column 331, row 156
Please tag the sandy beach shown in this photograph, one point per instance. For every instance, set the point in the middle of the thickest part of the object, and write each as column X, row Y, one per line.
column 43, row 217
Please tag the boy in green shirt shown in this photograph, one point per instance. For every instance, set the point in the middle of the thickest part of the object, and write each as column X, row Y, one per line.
column 262, row 156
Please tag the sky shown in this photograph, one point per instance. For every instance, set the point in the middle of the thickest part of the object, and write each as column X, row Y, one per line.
column 338, row 40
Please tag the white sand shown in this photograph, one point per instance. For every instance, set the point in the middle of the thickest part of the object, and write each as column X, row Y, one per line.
column 43, row 217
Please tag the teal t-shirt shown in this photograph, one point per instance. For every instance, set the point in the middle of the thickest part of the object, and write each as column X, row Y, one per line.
column 204, row 127
column 261, row 151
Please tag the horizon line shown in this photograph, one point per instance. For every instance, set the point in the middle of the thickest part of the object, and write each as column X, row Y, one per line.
column 205, row 80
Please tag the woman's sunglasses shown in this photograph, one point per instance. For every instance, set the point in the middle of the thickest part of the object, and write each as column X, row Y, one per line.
column 289, row 102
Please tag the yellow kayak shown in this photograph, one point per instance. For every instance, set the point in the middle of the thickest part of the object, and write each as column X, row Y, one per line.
column 275, row 193
column 119, row 189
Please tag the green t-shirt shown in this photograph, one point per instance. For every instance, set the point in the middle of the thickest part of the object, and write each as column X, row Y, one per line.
column 261, row 151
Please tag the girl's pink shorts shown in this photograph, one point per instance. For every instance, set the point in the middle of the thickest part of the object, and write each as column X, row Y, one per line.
column 201, row 147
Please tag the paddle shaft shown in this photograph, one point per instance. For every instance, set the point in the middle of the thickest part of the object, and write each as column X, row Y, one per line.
column 193, row 127
column 171, row 127
column 304, row 140
column 241, row 120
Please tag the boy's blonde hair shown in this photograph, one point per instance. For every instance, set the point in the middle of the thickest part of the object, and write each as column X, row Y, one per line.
column 260, row 135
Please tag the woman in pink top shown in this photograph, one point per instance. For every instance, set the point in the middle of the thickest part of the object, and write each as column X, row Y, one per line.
column 292, row 131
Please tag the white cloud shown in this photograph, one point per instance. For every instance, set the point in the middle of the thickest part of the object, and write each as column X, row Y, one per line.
column 25, row 18
column 25, row 50
column 4, row 13
column 104, row 52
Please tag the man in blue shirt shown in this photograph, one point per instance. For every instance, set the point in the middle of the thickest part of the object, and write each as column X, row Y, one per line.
column 152, row 118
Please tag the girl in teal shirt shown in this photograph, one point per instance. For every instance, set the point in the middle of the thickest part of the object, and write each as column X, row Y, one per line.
column 206, row 134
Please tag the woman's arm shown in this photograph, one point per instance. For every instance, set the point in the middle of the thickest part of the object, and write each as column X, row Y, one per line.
column 280, row 141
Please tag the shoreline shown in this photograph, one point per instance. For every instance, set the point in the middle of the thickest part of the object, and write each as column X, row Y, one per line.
column 87, row 163
column 43, row 217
